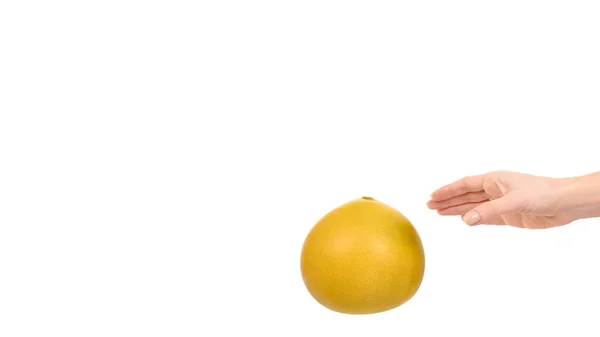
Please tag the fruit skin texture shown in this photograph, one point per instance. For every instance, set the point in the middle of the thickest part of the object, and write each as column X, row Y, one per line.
column 363, row 257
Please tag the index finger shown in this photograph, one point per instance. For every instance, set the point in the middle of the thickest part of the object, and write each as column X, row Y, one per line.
column 459, row 187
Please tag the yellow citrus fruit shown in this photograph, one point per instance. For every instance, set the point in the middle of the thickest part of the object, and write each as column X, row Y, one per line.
column 363, row 257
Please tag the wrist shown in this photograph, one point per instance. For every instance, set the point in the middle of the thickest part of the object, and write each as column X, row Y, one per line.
column 581, row 196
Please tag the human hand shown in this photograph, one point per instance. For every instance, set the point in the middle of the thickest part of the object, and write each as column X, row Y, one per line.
column 519, row 200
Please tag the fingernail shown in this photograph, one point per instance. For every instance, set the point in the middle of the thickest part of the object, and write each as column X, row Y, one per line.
column 471, row 218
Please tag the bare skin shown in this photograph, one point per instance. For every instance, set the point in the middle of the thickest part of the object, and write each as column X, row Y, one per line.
column 519, row 199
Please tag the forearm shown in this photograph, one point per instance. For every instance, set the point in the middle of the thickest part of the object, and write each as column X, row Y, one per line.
column 582, row 195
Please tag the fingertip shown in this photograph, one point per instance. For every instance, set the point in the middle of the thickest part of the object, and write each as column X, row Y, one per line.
column 436, row 195
column 446, row 211
column 471, row 218
column 443, row 193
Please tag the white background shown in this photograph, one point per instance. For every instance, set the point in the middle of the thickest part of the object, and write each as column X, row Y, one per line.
column 161, row 162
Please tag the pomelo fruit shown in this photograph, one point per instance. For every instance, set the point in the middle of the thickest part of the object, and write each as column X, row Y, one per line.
column 363, row 257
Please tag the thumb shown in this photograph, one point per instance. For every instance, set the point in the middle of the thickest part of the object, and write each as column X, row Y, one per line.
column 491, row 209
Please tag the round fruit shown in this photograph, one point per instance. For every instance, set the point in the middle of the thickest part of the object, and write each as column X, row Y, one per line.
column 364, row 257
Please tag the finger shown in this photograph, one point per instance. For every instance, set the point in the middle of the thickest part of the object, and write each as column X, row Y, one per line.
column 460, row 209
column 513, row 219
column 487, row 211
column 459, row 187
column 497, row 221
column 459, row 200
